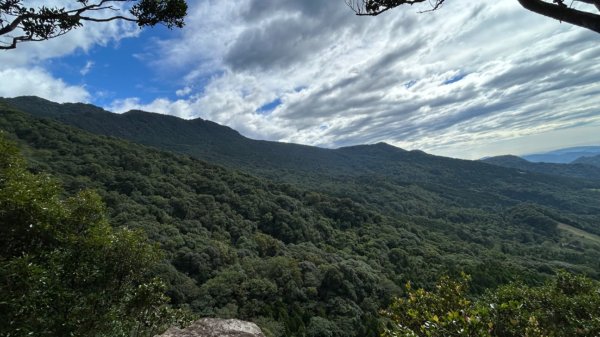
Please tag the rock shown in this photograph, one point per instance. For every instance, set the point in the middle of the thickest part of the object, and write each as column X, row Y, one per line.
column 214, row 327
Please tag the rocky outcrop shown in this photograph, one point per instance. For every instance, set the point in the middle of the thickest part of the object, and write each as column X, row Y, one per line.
column 214, row 327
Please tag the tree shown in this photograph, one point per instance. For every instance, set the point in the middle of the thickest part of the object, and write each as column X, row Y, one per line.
column 20, row 23
column 567, row 305
column 64, row 271
column 443, row 312
column 556, row 10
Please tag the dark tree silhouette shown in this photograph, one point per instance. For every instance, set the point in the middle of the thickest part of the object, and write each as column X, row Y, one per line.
column 557, row 9
column 21, row 23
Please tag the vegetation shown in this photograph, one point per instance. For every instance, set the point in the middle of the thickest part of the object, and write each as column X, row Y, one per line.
column 557, row 10
column 64, row 271
column 579, row 169
column 592, row 160
column 317, row 252
column 21, row 22
column 565, row 306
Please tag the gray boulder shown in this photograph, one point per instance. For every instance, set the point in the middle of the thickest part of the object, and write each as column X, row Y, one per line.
column 214, row 327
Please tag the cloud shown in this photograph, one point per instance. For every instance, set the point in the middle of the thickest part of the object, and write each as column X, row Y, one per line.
column 36, row 81
column 83, row 38
column 469, row 75
column 24, row 69
column 178, row 108
column 86, row 69
column 183, row 91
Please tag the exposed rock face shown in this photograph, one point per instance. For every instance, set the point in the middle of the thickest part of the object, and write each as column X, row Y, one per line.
column 214, row 327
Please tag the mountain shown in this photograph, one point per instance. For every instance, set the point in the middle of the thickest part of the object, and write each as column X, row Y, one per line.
column 575, row 170
column 385, row 177
column 563, row 156
column 333, row 235
column 589, row 160
column 200, row 138
column 284, row 162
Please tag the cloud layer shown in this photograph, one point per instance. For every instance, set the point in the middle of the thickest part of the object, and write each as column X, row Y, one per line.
column 471, row 79
column 23, row 71
column 469, row 74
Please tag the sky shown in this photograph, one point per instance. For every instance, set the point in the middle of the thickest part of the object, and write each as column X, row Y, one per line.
column 472, row 79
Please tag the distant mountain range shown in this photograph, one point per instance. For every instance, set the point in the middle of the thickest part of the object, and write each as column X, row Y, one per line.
column 593, row 160
column 564, row 156
column 582, row 170
column 575, row 162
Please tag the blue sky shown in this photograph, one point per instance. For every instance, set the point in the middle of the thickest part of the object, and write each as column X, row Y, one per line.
column 472, row 79
column 117, row 70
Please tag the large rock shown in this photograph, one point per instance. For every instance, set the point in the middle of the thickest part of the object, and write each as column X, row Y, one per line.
column 214, row 327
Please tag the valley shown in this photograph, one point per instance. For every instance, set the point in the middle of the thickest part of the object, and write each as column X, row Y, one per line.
column 281, row 233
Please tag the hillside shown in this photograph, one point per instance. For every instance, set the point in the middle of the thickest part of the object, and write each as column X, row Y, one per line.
column 592, row 160
column 577, row 169
column 563, row 156
column 384, row 176
column 336, row 246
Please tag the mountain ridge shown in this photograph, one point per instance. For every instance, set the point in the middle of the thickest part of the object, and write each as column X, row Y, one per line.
column 579, row 170
column 340, row 237
column 564, row 155
column 589, row 160
column 340, row 171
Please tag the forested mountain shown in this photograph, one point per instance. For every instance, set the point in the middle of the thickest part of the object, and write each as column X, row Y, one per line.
column 563, row 156
column 578, row 169
column 327, row 243
column 380, row 169
column 592, row 160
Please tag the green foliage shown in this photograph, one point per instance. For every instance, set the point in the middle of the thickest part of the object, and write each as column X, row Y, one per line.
column 443, row 312
column 20, row 21
column 533, row 216
column 567, row 305
column 63, row 270
column 153, row 12
column 582, row 168
column 591, row 160
column 334, row 236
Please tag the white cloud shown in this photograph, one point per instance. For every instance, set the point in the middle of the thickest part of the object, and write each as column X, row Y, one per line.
column 177, row 108
column 36, row 81
column 183, row 91
column 23, row 69
column 469, row 75
column 86, row 69
column 83, row 38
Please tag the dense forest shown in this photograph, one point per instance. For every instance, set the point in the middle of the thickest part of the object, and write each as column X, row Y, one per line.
column 592, row 160
column 314, row 246
column 579, row 169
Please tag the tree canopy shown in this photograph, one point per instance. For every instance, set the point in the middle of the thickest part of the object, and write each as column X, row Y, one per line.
column 557, row 9
column 566, row 305
column 21, row 22
column 64, row 271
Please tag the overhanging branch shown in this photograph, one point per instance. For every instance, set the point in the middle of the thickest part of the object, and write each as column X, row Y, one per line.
column 19, row 23
column 557, row 10
column 562, row 13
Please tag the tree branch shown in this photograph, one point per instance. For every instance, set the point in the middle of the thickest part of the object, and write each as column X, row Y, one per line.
column 557, row 10
column 562, row 13
column 376, row 7
column 12, row 26
column 44, row 23
column 118, row 17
